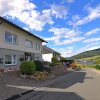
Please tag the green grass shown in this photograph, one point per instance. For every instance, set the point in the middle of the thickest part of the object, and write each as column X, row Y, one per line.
column 95, row 59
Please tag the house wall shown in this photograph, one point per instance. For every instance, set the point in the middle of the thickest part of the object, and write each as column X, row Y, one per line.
column 18, row 54
column 47, row 57
column 19, row 48
column 21, row 37
column 4, row 52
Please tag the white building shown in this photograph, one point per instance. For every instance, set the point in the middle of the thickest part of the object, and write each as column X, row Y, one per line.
column 17, row 45
column 48, row 53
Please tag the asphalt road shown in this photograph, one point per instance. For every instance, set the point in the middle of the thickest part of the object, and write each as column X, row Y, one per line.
column 79, row 85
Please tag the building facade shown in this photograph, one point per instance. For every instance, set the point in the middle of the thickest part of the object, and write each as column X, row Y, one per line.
column 48, row 53
column 17, row 45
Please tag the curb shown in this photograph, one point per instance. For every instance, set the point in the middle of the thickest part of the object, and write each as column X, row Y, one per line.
column 14, row 97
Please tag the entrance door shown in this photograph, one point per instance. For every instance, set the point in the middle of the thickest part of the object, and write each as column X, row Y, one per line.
column 28, row 57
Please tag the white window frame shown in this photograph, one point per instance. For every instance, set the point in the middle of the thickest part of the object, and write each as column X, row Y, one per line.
column 12, row 38
column 13, row 60
column 28, row 41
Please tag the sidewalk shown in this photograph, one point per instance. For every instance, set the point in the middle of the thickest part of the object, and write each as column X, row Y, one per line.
column 97, row 71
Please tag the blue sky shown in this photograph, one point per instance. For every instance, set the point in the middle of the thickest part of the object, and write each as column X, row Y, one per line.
column 69, row 26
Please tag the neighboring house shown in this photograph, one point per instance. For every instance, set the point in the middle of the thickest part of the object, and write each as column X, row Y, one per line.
column 17, row 45
column 48, row 53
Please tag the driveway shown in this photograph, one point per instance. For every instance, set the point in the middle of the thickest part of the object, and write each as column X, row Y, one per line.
column 79, row 85
column 13, row 79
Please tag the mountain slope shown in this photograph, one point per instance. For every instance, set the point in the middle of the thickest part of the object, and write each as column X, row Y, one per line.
column 86, row 54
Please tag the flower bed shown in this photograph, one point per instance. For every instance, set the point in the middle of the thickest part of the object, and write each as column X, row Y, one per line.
column 38, row 75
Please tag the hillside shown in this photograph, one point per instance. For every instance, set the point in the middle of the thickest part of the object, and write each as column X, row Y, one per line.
column 87, row 54
column 94, row 59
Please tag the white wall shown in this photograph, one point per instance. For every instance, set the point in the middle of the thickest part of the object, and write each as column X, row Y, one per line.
column 47, row 57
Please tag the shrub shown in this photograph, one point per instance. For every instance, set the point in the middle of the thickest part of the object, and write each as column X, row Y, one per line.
column 39, row 65
column 97, row 61
column 46, row 63
column 52, row 65
column 27, row 67
column 59, row 63
column 97, row 66
column 54, row 60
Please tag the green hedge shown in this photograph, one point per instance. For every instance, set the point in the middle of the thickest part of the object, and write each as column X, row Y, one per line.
column 39, row 65
column 27, row 67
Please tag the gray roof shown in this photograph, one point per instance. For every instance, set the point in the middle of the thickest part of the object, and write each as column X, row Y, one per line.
column 46, row 50
column 29, row 33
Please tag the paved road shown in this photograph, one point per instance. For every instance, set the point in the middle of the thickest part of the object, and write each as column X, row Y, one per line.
column 79, row 85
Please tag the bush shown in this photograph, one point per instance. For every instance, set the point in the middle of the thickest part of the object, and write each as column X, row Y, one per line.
column 97, row 66
column 58, row 63
column 97, row 61
column 52, row 65
column 54, row 60
column 27, row 67
column 46, row 63
column 39, row 65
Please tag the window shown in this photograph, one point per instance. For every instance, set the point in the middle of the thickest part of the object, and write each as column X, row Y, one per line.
column 37, row 46
column 10, row 59
column 28, row 43
column 10, row 38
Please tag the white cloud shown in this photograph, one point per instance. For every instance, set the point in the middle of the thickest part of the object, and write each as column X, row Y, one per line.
column 70, row 40
column 58, row 11
column 90, row 46
column 64, row 36
column 73, row 50
column 87, row 48
column 26, row 28
column 64, row 32
column 93, row 13
column 91, row 40
column 95, row 47
column 66, row 52
column 15, row 6
column 93, row 31
column 26, row 12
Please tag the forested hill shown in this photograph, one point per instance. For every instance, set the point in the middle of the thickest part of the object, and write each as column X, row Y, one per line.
column 86, row 54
